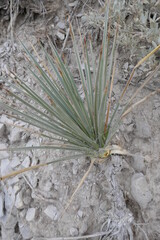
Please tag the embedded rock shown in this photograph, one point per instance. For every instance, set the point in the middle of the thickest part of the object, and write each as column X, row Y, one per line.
column 51, row 212
column 1, row 205
column 15, row 135
column 3, row 154
column 2, row 129
column 25, row 231
column 5, row 167
column 74, row 232
column 19, row 202
column 30, row 214
column 140, row 190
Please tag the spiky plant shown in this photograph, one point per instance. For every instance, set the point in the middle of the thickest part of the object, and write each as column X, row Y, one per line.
column 80, row 126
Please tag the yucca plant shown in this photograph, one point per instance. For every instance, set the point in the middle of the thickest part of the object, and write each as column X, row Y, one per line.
column 69, row 123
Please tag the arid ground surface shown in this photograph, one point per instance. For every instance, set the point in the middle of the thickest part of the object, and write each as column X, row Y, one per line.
column 121, row 191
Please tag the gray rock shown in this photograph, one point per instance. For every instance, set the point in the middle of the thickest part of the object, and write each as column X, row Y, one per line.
column 6, row 121
column 1, row 204
column 60, row 35
column 125, row 66
column 84, row 19
column 5, row 167
column 2, row 129
column 15, row 135
column 27, row 197
column 73, row 4
column 25, row 231
column 19, row 201
column 51, row 212
column 3, row 154
column 61, row 25
column 13, row 180
column 9, row 198
column 143, row 128
column 15, row 162
column 30, row 214
column 80, row 213
column 74, row 232
column 138, row 163
column 46, row 185
column 31, row 175
column 140, row 190
column 26, row 162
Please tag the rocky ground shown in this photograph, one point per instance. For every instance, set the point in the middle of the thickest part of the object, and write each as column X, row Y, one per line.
column 121, row 196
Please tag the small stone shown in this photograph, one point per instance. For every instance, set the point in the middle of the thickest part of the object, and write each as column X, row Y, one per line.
column 125, row 66
column 30, row 214
column 138, row 162
column 25, row 231
column 84, row 19
column 19, row 202
column 2, row 129
column 3, row 154
column 74, row 232
column 1, row 205
column 143, row 128
column 13, row 180
column 9, row 198
column 15, row 162
column 51, row 212
column 26, row 162
column 46, row 185
column 15, row 135
column 31, row 143
column 60, row 35
column 73, row 4
column 61, row 25
column 80, row 213
column 140, row 190
column 16, row 188
column 5, row 167
column 6, row 120
column 31, row 175
column 27, row 197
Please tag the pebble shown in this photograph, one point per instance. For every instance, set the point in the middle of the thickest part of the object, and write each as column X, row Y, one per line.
column 26, row 162
column 46, row 186
column 138, row 163
column 74, row 232
column 51, row 212
column 80, row 213
column 30, row 214
column 2, row 129
column 1, row 205
column 125, row 66
column 27, row 197
column 25, row 231
column 143, row 128
column 9, row 198
column 3, row 154
column 5, row 167
column 60, row 35
column 31, row 175
column 140, row 190
column 13, row 180
column 19, row 202
column 61, row 25
column 73, row 4
column 6, row 120
column 15, row 162
column 15, row 135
